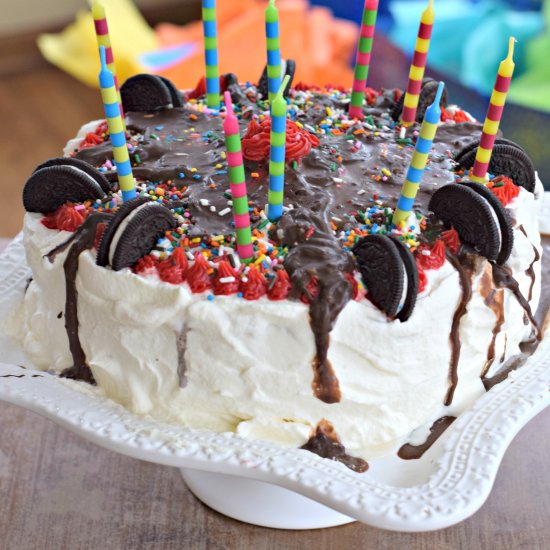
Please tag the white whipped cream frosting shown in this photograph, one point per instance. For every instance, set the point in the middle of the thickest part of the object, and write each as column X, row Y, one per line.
column 232, row 365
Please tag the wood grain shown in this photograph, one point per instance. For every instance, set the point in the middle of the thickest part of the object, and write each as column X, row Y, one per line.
column 61, row 492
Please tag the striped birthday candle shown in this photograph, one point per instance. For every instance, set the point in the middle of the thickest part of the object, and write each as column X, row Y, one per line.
column 237, row 183
column 211, row 53
column 273, row 49
column 103, row 39
column 277, row 154
column 416, row 72
column 494, row 114
column 116, row 129
column 419, row 159
column 362, row 61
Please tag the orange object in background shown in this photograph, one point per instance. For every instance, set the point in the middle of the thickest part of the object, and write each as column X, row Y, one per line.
column 321, row 45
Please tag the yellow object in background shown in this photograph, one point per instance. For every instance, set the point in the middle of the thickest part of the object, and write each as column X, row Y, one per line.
column 321, row 45
column 75, row 49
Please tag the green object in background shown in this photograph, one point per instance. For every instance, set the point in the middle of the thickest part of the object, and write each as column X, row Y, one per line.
column 486, row 46
column 468, row 41
column 532, row 87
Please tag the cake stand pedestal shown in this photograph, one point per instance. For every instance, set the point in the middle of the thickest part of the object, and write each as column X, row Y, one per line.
column 260, row 503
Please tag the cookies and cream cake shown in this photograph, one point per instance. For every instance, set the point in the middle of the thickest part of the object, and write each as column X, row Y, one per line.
column 344, row 331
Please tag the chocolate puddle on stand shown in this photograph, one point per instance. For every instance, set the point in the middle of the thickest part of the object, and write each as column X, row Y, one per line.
column 412, row 452
column 82, row 239
column 326, row 443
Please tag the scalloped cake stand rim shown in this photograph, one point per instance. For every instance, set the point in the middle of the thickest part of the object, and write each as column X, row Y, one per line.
column 462, row 465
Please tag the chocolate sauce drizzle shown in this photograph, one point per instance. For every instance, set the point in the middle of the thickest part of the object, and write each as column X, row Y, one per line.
column 464, row 264
column 20, row 376
column 527, row 349
column 530, row 271
column 326, row 443
column 494, row 300
column 317, row 256
column 82, row 239
column 502, row 278
column 412, row 452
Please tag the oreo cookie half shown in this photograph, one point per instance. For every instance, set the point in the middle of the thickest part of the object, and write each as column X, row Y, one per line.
column 175, row 94
column 476, row 218
column 388, row 270
column 288, row 68
column 508, row 159
column 425, row 99
column 50, row 187
column 145, row 92
column 133, row 232
column 506, row 229
column 103, row 182
column 474, row 145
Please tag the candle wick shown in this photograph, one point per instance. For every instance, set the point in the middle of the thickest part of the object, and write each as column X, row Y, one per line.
column 439, row 93
column 282, row 87
column 511, row 43
column 228, row 103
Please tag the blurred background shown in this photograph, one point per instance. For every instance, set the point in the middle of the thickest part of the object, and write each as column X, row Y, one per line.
column 49, row 62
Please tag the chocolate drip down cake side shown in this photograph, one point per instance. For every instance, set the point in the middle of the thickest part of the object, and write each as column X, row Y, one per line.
column 343, row 332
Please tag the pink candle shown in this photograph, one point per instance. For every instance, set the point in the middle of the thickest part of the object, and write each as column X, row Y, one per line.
column 237, row 183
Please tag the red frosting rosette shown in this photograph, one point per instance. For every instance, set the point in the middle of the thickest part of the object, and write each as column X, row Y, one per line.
column 226, row 281
column 174, row 269
column 198, row 277
column 255, row 285
column 256, row 142
column 281, row 286
column 431, row 258
column 65, row 218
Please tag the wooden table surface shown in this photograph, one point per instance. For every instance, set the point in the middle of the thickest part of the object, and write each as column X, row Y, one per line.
column 60, row 492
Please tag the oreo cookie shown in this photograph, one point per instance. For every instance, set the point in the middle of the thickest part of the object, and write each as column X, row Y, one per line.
column 133, row 232
column 288, row 68
column 508, row 159
column 233, row 87
column 50, row 187
column 478, row 217
column 388, row 269
column 103, row 182
column 175, row 94
column 145, row 92
column 505, row 224
column 425, row 99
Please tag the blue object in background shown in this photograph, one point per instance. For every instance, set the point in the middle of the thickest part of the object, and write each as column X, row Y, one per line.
column 353, row 10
